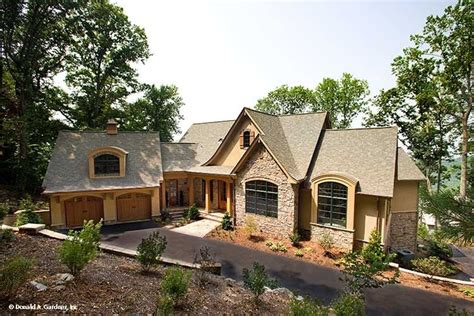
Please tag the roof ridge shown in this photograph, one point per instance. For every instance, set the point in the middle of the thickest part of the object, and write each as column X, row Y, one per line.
column 359, row 128
column 178, row 143
column 210, row 122
column 285, row 115
column 104, row 132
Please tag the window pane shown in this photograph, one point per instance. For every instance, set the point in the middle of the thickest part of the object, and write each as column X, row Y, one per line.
column 106, row 164
column 261, row 198
column 332, row 204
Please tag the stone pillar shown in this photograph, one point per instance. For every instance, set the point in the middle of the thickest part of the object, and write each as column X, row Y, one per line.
column 208, row 195
column 163, row 194
column 228, row 197
column 191, row 190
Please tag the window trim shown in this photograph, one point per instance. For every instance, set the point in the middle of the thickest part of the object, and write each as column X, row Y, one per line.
column 105, row 160
column 115, row 151
column 266, row 212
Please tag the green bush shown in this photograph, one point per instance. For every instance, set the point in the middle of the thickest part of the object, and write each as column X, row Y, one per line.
column 250, row 226
column 423, row 232
column 299, row 253
column 165, row 305
column 295, row 239
column 192, row 213
column 227, row 222
column 3, row 210
column 149, row 251
column 373, row 252
column 257, row 279
column 6, row 235
column 438, row 248
column 349, row 305
column 433, row 265
column 306, row 307
column 13, row 274
column 207, row 261
column 28, row 215
column 279, row 246
column 175, row 283
column 326, row 241
column 81, row 247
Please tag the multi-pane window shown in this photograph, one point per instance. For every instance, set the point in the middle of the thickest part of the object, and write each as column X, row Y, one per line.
column 261, row 197
column 246, row 141
column 106, row 165
column 332, row 204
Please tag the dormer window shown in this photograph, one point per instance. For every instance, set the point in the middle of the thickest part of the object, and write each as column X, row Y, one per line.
column 106, row 165
column 246, row 138
column 107, row 162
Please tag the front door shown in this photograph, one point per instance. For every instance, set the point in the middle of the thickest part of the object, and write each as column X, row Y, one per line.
column 222, row 195
column 173, row 193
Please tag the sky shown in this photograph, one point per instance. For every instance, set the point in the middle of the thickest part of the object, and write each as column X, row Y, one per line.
column 224, row 55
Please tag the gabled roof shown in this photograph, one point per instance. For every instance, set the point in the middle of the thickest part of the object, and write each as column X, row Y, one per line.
column 208, row 136
column 367, row 154
column 406, row 168
column 68, row 169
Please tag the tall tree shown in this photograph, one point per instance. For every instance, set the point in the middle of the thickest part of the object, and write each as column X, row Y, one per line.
column 100, row 69
column 344, row 99
column 158, row 110
column 33, row 43
column 287, row 100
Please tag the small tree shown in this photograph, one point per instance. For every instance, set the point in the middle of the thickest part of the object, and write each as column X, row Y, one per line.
column 349, row 305
column 175, row 283
column 13, row 274
column 227, row 222
column 327, row 242
column 81, row 247
column 257, row 279
column 192, row 213
column 307, row 306
column 250, row 226
column 206, row 261
column 149, row 251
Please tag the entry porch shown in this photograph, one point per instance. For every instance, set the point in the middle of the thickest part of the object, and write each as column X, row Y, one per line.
column 208, row 192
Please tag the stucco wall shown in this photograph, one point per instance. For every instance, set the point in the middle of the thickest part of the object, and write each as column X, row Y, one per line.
column 304, row 210
column 405, row 196
column 232, row 153
column 58, row 217
column 261, row 166
column 366, row 213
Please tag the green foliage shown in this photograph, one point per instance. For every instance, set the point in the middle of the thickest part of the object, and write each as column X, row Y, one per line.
column 6, row 235
column 326, row 241
column 279, row 246
column 344, row 99
column 250, row 226
column 150, row 249
column 192, row 213
column 13, row 274
column 299, row 253
column 438, row 248
column 468, row 291
column 454, row 214
column 453, row 311
column 257, row 279
column 3, row 211
column 165, row 305
column 227, row 222
column 28, row 215
column 433, row 265
column 306, row 307
column 349, row 305
column 158, row 110
column 175, row 283
column 423, row 232
column 81, row 247
column 206, row 261
column 366, row 269
column 295, row 239
column 287, row 100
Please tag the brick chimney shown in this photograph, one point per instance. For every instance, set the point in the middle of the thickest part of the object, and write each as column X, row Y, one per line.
column 111, row 127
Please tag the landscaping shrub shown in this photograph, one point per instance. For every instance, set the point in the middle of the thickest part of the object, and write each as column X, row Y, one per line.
column 192, row 213
column 326, row 241
column 13, row 274
column 165, row 215
column 81, row 247
column 433, row 265
column 250, row 226
column 438, row 248
column 28, row 215
column 227, row 222
column 295, row 239
column 306, row 307
column 279, row 246
column 206, row 260
column 257, row 279
column 165, row 305
column 373, row 252
column 6, row 235
column 149, row 251
column 175, row 283
column 349, row 305
column 299, row 253
column 453, row 311
column 423, row 232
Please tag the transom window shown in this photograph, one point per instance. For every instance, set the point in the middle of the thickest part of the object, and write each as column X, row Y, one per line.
column 332, row 204
column 261, row 197
column 246, row 140
column 106, row 165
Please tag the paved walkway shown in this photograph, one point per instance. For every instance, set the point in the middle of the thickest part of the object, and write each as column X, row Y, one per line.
column 201, row 227
column 297, row 275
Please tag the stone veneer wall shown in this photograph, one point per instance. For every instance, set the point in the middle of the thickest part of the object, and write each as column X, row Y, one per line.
column 261, row 166
column 403, row 230
column 198, row 188
column 342, row 238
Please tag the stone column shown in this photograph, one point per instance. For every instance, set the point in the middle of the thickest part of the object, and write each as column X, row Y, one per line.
column 163, row 194
column 191, row 190
column 208, row 195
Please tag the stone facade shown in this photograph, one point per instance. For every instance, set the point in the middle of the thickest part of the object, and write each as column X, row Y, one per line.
column 342, row 238
column 403, row 230
column 261, row 166
column 198, row 192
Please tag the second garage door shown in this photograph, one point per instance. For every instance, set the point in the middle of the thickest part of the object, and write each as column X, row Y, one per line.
column 133, row 206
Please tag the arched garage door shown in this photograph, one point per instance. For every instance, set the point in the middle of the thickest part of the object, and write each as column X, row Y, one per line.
column 83, row 208
column 133, row 206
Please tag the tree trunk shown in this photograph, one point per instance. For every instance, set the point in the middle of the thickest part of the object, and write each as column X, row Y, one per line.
column 464, row 148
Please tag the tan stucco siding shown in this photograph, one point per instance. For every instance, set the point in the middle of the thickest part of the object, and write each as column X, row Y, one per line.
column 304, row 212
column 369, row 215
column 58, row 217
column 405, row 196
column 232, row 153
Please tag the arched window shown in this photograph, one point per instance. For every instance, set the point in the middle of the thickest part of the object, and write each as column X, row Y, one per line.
column 246, row 140
column 261, row 197
column 106, row 165
column 332, row 204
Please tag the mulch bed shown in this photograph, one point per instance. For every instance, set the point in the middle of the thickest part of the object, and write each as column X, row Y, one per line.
column 114, row 284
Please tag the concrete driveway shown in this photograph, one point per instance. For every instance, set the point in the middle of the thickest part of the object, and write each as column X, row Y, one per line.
column 299, row 276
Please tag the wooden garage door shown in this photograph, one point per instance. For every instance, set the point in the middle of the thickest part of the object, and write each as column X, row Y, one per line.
column 83, row 208
column 133, row 206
